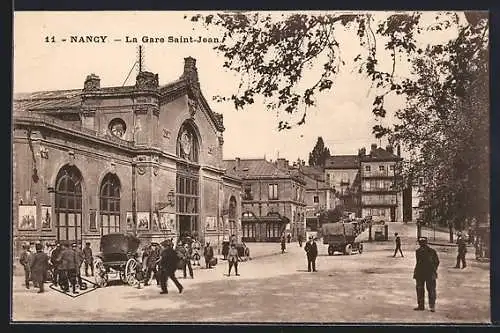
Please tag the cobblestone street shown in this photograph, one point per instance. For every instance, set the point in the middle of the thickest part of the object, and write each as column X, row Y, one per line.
column 273, row 287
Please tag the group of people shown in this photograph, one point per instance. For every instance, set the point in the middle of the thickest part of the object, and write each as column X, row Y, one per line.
column 60, row 263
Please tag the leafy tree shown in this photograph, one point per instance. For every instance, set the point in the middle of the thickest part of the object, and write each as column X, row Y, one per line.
column 319, row 154
column 444, row 125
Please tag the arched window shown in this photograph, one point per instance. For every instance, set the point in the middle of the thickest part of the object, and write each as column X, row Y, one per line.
column 110, row 204
column 68, row 205
column 188, row 143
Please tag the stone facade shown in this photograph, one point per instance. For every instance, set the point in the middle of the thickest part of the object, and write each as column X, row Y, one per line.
column 273, row 201
column 84, row 158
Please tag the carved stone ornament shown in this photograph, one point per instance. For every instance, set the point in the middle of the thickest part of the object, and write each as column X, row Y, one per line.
column 155, row 170
column 92, row 82
column 193, row 107
column 186, row 143
column 221, row 140
column 166, row 134
column 112, row 167
column 211, row 150
column 146, row 80
column 141, row 170
column 44, row 153
column 156, row 159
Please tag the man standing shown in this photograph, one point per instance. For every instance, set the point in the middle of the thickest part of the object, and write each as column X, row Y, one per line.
column 68, row 262
column 312, row 252
column 150, row 261
column 187, row 261
column 88, row 259
column 39, row 266
column 462, row 250
column 196, row 252
column 299, row 238
column 289, row 238
column 80, row 257
column 425, row 274
column 233, row 259
column 208, row 253
column 56, row 265
column 398, row 245
column 24, row 260
column 283, row 244
column 168, row 266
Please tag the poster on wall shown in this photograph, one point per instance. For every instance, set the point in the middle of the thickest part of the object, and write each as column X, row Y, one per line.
column 155, row 219
column 130, row 221
column 167, row 221
column 46, row 217
column 27, row 217
column 142, row 220
column 210, row 223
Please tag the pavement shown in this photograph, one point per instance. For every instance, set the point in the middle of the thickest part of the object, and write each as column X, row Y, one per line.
column 372, row 287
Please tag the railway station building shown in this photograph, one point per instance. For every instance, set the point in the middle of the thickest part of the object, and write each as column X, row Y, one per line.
column 145, row 158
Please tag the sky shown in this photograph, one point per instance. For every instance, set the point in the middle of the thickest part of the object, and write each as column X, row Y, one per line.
column 342, row 117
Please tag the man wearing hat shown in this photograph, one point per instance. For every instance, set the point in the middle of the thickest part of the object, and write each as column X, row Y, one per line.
column 462, row 250
column 168, row 266
column 425, row 274
column 208, row 253
column 80, row 257
column 56, row 264
column 39, row 266
column 398, row 245
column 68, row 266
column 24, row 260
column 312, row 252
column 88, row 259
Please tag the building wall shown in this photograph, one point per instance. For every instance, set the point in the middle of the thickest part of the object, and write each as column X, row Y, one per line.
column 94, row 158
column 336, row 177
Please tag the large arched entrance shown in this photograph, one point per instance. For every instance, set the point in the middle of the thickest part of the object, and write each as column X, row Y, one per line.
column 68, row 205
column 187, row 181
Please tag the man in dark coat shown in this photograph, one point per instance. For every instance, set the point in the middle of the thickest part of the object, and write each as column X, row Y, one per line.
column 68, row 264
column 208, row 253
column 80, row 257
column 56, row 264
column 168, row 266
column 312, row 252
column 187, row 261
column 24, row 260
column 289, row 238
column 88, row 259
column 152, row 256
column 425, row 274
column 283, row 244
column 39, row 266
column 462, row 250
column 398, row 245
column 299, row 238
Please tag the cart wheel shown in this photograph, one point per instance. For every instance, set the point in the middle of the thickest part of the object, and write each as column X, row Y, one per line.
column 100, row 275
column 360, row 248
column 348, row 249
column 330, row 250
column 130, row 272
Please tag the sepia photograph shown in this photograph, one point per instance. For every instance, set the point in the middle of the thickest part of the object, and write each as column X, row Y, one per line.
column 318, row 167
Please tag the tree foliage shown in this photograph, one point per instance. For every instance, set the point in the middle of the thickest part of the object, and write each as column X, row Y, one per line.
column 444, row 125
column 319, row 154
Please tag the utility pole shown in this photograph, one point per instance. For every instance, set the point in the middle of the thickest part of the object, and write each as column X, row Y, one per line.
column 140, row 59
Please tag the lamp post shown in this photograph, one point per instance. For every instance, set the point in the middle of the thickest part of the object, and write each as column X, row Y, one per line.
column 134, row 200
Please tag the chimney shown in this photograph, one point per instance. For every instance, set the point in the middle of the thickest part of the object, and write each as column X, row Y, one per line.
column 373, row 147
column 92, row 82
column 389, row 149
column 362, row 152
column 238, row 164
column 190, row 71
column 282, row 163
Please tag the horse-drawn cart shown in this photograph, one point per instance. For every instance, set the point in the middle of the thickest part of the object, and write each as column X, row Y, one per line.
column 118, row 256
